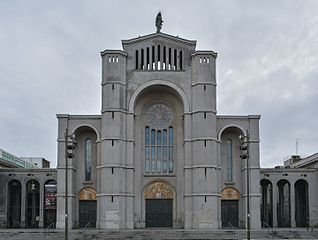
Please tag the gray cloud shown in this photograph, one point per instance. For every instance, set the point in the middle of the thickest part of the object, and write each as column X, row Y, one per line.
column 267, row 64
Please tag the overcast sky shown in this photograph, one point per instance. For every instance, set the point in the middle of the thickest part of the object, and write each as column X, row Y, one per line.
column 267, row 64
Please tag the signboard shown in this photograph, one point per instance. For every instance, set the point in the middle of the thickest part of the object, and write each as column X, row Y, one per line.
column 50, row 196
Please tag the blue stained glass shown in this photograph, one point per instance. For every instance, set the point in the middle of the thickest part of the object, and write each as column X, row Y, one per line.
column 153, row 137
column 170, row 136
column 159, row 159
column 170, row 159
column 153, row 157
column 159, row 138
column 88, row 159
column 165, row 166
column 147, row 136
column 147, row 153
column 229, row 160
column 147, row 166
column 164, row 136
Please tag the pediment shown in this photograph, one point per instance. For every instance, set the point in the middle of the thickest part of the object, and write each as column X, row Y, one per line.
column 159, row 37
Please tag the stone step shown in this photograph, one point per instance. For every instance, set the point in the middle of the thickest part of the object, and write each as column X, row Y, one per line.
column 94, row 234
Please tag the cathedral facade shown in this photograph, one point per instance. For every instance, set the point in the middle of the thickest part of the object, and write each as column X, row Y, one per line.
column 158, row 155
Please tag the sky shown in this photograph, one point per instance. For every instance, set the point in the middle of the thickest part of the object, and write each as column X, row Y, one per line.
column 267, row 64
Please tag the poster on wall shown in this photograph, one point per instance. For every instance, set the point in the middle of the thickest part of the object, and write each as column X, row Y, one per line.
column 50, row 197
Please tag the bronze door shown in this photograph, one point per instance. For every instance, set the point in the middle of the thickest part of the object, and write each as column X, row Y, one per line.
column 230, row 210
column 87, row 213
column 158, row 212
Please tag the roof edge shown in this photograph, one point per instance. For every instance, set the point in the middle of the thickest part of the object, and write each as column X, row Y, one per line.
column 160, row 34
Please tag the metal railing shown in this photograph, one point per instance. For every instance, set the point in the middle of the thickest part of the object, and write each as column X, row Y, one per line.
column 266, row 225
column 85, row 231
column 49, row 229
column 233, row 231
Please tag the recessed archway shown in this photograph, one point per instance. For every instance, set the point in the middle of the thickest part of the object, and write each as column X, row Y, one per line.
column 87, row 208
column 283, row 203
column 301, row 203
column 159, row 204
column 32, row 212
column 49, row 214
column 230, row 207
column 14, row 204
column 266, row 203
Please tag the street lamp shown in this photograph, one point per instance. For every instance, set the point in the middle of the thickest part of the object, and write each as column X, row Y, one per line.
column 244, row 147
column 70, row 144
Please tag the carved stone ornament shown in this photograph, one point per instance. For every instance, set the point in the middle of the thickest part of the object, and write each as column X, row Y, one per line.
column 87, row 194
column 159, row 190
column 159, row 116
column 230, row 194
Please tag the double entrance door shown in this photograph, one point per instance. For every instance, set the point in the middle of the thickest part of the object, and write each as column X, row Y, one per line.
column 87, row 213
column 158, row 213
column 230, row 210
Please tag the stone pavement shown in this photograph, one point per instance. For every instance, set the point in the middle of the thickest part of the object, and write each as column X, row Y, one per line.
column 156, row 234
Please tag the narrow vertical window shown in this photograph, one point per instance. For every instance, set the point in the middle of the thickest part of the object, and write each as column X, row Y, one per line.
column 153, row 58
column 164, row 59
column 170, row 149
column 142, row 59
column 159, row 155
column 180, row 61
column 88, row 159
column 175, row 60
column 136, row 59
column 147, row 64
column 169, row 68
column 147, row 152
column 165, row 151
column 158, row 57
column 153, row 150
column 229, row 160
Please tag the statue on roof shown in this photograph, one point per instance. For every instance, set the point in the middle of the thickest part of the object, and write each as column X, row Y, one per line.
column 159, row 22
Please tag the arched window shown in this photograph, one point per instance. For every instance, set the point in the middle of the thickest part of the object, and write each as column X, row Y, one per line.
column 229, row 160
column 159, row 139
column 88, row 159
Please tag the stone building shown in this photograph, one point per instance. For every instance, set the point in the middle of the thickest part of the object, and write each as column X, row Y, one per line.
column 158, row 155
column 27, row 197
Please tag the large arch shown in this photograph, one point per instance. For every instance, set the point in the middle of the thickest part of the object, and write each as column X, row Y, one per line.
column 266, row 203
column 153, row 83
column 230, row 126
column 158, row 109
column 14, row 204
column 49, row 211
column 231, row 163
column 85, row 159
column 159, row 201
column 283, row 203
column 32, row 204
column 301, row 203
column 86, row 125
